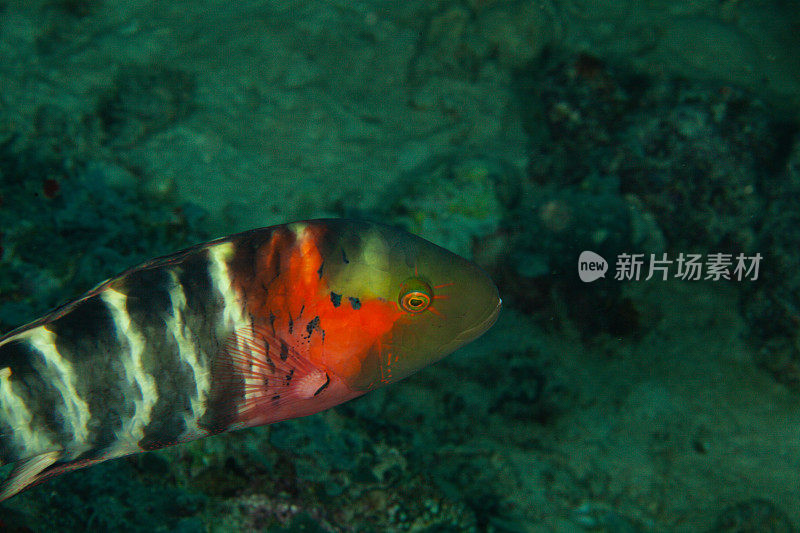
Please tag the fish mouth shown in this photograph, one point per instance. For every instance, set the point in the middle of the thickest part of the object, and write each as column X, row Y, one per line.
column 491, row 318
column 483, row 324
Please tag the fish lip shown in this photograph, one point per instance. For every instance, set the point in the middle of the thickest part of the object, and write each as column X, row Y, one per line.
column 482, row 325
column 492, row 318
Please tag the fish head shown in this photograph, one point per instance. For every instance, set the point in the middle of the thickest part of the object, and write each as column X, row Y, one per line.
column 398, row 302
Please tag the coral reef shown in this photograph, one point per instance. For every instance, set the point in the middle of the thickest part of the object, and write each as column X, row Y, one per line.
column 452, row 201
column 516, row 133
column 64, row 227
column 622, row 162
column 772, row 306
column 699, row 157
column 753, row 515
column 129, row 495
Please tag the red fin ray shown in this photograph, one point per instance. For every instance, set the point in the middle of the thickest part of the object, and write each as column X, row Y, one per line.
column 260, row 378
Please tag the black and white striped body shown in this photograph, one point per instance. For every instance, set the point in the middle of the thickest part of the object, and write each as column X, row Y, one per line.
column 124, row 369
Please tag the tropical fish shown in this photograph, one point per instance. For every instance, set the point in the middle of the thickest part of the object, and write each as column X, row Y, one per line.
column 262, row 326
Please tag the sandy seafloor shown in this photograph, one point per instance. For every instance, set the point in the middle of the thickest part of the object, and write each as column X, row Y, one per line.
column 437, row 115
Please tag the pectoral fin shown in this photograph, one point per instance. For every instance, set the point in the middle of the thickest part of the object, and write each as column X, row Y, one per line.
column 256, row 374
column 27, row 473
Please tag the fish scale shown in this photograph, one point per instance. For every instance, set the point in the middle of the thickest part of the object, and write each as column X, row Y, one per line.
column 251, row 329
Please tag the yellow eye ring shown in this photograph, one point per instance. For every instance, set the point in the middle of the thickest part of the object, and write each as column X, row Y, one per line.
column 415, row 301
column 415, row 296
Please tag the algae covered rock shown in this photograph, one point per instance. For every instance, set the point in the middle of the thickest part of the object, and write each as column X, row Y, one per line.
column 753, row 516
column 452, row 201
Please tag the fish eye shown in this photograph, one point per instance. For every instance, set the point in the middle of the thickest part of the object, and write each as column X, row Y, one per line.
column 415, row 295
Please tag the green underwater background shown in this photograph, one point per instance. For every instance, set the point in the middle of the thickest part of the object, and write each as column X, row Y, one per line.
column 515, row 133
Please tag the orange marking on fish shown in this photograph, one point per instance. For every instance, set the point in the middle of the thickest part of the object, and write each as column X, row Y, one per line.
column 435, row 312
column 296, row 286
